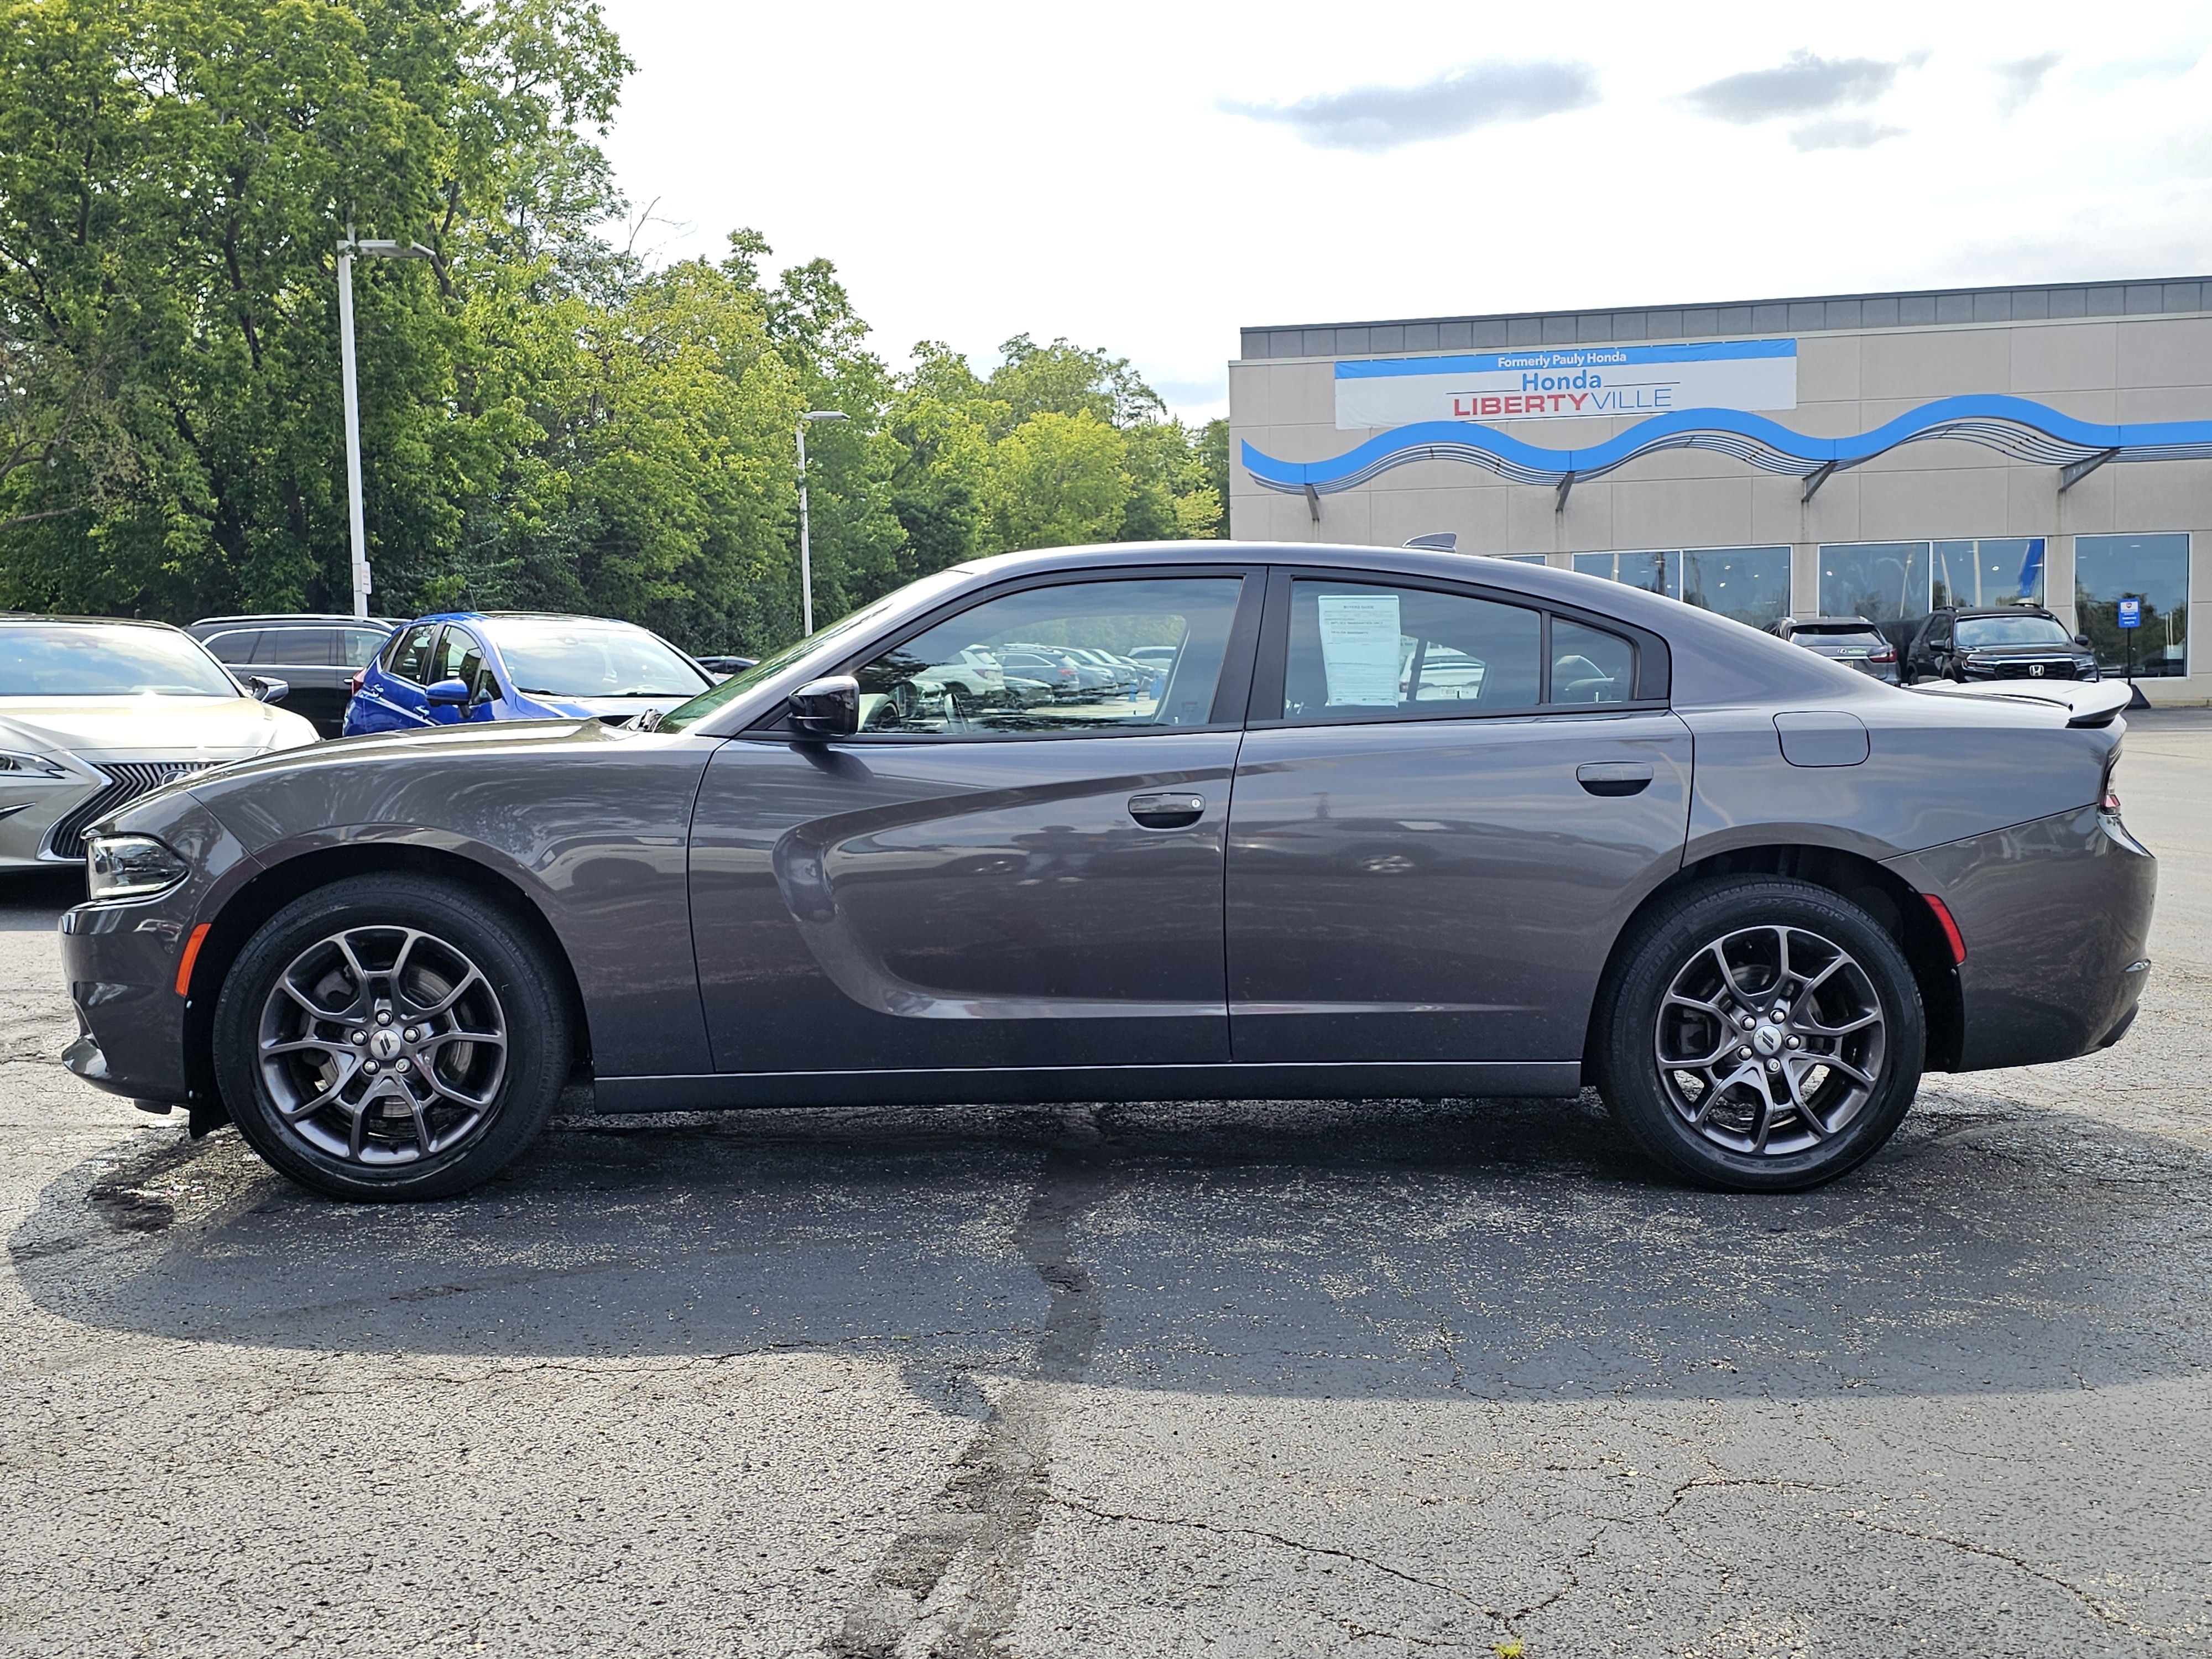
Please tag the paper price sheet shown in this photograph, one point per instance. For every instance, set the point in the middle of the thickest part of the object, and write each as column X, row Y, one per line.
column 1359, row 649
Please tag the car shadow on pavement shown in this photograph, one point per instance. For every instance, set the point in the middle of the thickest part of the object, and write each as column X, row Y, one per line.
column 1497, row 1249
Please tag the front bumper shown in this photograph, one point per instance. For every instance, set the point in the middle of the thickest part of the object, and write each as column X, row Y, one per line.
column 120, row 961
column 2056, row 916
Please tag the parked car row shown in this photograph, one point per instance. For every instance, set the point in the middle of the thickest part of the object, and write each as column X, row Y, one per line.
column 1962, row 645
column 94, row 712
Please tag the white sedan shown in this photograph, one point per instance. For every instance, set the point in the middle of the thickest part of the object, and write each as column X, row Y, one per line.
column 96, row 713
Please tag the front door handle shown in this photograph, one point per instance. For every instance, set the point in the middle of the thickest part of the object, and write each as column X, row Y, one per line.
column 1614, row 777
column 1168, row 811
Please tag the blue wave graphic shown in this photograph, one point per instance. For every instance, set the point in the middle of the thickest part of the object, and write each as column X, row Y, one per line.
column 2018, row 426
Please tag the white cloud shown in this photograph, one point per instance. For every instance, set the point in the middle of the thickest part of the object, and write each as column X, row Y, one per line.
column 1377, row 118
column 2019, row 81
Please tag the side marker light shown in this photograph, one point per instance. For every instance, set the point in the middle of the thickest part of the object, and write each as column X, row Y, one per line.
column 1950, row 927
column 193, row 954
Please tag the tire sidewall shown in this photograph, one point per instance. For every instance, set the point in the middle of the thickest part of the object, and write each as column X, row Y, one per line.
column 1628, row 1071
column 536, row 1028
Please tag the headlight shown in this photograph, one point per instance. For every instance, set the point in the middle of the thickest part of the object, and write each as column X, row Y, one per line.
column 18, row 767
column 130, row 867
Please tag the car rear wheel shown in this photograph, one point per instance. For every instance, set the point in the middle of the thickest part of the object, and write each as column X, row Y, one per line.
column 391, row 1037
column 1761, row 1034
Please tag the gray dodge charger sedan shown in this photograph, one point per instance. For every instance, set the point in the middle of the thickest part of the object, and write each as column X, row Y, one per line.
column 1386, row 823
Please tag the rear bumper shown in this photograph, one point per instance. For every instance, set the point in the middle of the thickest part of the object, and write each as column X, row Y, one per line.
column 2056, row 916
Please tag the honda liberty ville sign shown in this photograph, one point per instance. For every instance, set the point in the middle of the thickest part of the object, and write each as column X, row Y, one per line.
column 1557, row 383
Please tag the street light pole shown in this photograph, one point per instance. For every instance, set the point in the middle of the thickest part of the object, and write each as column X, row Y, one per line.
column 349, row 250
column 805, row 546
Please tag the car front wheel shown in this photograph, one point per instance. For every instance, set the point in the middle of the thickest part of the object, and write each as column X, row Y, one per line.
column 1761, row 1034
column 391, row 1037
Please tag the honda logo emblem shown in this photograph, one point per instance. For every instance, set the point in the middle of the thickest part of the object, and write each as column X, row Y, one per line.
column 2036, row 669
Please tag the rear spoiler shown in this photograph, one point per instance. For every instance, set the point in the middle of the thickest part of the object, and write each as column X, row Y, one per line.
column 2087, row 702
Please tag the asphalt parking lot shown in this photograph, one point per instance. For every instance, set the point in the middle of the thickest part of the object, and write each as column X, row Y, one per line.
column 1130, row 1378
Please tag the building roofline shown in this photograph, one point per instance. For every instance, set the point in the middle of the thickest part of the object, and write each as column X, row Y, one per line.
column 1805, row 314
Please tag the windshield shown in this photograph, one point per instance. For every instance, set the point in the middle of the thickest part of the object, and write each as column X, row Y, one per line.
column 81, row 659
column 576, row 657
column 2011, row 630
column 738, row 685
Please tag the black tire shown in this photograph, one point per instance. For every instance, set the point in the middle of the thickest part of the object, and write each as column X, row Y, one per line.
column 414, row 939
column 1693, row 1083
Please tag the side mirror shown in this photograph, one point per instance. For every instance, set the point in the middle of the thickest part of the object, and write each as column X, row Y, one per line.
column 269, row 690
column 2081, row 640
column 455, row 692
column 827, row 707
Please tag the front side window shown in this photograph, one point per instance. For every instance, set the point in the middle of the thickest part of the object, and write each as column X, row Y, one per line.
column 1096, row 656
column 235, row 647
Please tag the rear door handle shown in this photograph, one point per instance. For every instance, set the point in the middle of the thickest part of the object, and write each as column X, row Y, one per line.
column 1166, row 810
column 1614, row 777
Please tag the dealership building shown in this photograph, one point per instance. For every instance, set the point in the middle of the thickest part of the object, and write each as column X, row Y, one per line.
column 1871, row 454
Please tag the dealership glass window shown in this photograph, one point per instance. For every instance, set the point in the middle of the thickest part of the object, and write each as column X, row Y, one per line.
column 1882, row 582
column 1750, row 584
column 1655, row 573
column 2152, row 569
column 1993, row 571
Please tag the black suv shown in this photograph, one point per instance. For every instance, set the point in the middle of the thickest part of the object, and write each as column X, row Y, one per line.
column 2009, row 643
column 316, row 656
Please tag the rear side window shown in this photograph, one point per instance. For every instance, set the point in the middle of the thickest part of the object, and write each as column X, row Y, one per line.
column 358, row 647
column 303, row 647
column 235, row 647
column 1589, row 664
column 1362, row 652
column 409, row 659
column 1365, row 653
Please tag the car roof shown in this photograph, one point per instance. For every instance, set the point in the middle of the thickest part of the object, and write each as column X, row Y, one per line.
column 1964, row 612
column 1826, row 622
column 87, row 621
column 298, row 619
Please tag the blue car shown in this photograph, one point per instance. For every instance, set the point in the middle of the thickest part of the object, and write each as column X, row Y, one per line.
column 518, row 665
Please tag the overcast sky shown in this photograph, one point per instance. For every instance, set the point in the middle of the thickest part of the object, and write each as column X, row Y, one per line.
column 1150, row 177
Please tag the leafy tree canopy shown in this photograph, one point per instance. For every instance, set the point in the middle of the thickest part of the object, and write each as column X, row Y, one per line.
column 546, row 421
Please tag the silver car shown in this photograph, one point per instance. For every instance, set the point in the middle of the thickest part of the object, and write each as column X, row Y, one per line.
column 94, row 714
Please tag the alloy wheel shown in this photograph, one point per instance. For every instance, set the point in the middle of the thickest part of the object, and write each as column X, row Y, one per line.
column 1771, row 1041
column 382, row 1045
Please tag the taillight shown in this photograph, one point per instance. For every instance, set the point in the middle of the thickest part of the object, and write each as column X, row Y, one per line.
column 352, row 685
column 1887, row 653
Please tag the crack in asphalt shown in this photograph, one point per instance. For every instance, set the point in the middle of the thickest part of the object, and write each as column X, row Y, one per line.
column 1505, row 1620
column 983, row 1519
column 2095, row 1607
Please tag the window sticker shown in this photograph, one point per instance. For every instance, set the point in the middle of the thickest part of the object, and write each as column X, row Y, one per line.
column 1359, row 648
